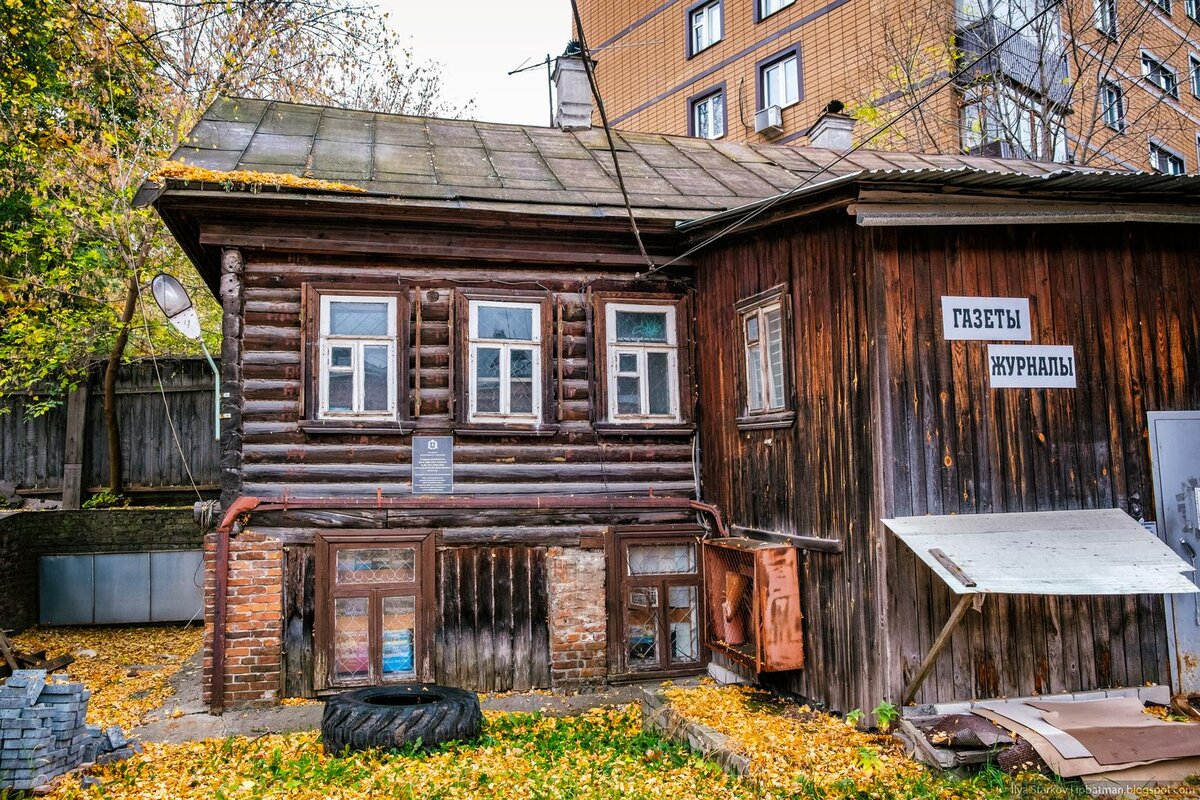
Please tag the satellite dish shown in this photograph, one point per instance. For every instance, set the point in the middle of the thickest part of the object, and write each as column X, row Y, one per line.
column 175, row 304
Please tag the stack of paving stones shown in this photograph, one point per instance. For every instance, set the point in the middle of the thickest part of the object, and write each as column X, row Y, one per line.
column 43, row 732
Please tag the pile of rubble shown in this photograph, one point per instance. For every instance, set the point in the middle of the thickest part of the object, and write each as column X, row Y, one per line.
column 43, row 732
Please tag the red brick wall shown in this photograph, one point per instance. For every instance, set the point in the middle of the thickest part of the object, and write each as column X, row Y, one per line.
column 578, row 616
column 253, row 639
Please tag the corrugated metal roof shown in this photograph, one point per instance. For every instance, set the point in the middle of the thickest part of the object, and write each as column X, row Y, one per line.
column 466, row 164
column 1101, row 551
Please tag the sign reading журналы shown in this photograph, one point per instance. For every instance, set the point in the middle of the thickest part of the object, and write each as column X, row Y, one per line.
column 986, row 318
column 1031, row 366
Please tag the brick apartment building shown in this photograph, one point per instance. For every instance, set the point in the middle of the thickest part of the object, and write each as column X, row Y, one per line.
column 1101, row 82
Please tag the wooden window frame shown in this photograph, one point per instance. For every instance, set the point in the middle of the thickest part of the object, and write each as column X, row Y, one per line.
column 617, row 541
column 684, row 423
column 782, row 416
column 311, row 303
column 423, row 589
column 463, row 423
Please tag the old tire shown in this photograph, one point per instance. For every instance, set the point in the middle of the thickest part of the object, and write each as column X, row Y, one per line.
column 395, row 717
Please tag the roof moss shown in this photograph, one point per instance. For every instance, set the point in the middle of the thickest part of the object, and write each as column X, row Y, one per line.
column 179, row 171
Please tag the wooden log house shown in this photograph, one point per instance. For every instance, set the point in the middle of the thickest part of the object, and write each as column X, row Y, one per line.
column 474, row 289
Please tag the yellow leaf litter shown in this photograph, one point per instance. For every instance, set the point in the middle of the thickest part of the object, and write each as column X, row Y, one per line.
column 175, row 170
column 129, row 674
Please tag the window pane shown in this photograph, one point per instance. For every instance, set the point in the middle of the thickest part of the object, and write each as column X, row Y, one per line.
column 718, row 116
column 358, row 319
column 662, row 559
column 487, row 362
column 375, row 378
column 520, row 363
column 641, row 627
column 774, row 320
column 351, row 632
column 341, row 356
column 520, row 399
column 341, row 391
column 487, row 379
column 682, row 616
column 790, row 94
column 658, row 381
column 629, row 395
column 752, row 329
column 627, row 362
column 377, row 565
column 754, row 381
column 501, row 322
column 772, row 86
column 399, row 636
column 641, row 326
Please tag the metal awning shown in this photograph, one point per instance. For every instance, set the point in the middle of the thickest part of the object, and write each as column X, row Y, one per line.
column 1093, row 552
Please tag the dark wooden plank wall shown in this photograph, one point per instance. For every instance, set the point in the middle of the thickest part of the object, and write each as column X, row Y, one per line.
column 1125, row 297
column 492, row 624
column 814, row 478
column 31, row 450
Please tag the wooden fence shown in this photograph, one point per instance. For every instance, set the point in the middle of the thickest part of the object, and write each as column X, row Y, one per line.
column 68, row 446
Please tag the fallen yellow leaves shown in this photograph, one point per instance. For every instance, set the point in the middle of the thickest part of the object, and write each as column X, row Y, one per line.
column 129, row 673
column 175, row 170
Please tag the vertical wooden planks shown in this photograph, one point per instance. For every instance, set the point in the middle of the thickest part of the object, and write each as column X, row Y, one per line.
column 299, row 598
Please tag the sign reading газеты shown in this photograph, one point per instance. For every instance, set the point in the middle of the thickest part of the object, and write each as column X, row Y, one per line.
column 1031, row 366
column 986, row 318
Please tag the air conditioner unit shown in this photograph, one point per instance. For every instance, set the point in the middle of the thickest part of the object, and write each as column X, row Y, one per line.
column 769, row 121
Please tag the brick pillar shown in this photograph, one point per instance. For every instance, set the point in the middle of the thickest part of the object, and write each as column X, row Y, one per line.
column 254, row 630
column 578, row 616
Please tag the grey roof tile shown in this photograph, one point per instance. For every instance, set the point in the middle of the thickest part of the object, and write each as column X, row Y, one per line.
column 358, row 128
column 291, row 120
column 236, row 109
column 214, row 135
column 332, row 155
column 462, row 161
column 219, row 160
column 403, row 158
column 279, row 149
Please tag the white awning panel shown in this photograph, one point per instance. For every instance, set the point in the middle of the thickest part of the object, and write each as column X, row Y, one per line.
column 1046, row 552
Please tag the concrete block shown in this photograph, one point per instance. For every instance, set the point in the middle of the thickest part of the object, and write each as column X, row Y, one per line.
column 1155, row 694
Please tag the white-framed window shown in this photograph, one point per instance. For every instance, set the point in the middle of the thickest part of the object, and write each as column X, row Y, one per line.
column 1166, row 161
column 1003, row 114
column 781, row 82
column 357, row 357
column 643, row 362
column 1160, row 74
column 1194, row 74
column 504, row 353
column 768, row 7
column 1192, row 9
column 1106, row 17
column 1112, row 105
column 763, row 339
column 1163, row 6
column 704, row 24
column 708, row 116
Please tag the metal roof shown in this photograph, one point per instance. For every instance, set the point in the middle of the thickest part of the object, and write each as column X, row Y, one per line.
column 1094, row 552
column 465, row 164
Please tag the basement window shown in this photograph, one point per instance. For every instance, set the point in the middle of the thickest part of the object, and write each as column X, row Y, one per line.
column 357, row 357
column 766, row 355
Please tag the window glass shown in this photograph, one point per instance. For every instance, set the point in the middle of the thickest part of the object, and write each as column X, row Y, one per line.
column 1113, row 106
column 642, row 370
column 376, row 565
column 780, row 83
column 358, row 319
column 1166, row 162
column 341, row 391
column 399, row 636
column 641, row 627
column 774, row 322
column 768, row 7
column 662, row 559
column 682, row 616
column 487, row 382
column 503, row 322
column 641, row 326
column 706, row 26
column 351, row 638
column 375, row 378
column 341, row 357
column 521, row 385
column 708, row 117
column 1160, row 75
column 658, row 382
column 1194, row 72
column 765, row 357
column 629, row 395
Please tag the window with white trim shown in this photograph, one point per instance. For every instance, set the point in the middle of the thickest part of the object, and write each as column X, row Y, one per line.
column 763, row 342
column 1194, row 74
column 781, row 82
column 705, row 26
column 1106, row 17
column 504, row 351
column 1192, row 9
column 768, row 7
column 1166, row 161
column 1163, row 6
column 1112, row 106
column 1160, row 74
column 357, row 366
column 708, row 116
column 643, row 363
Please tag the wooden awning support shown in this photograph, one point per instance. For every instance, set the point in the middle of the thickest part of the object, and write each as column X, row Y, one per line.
column 965, row 601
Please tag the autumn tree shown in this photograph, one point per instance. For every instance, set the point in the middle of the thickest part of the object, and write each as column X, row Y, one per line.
column 95, row 96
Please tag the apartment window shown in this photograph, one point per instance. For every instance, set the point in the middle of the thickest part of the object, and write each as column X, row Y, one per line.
column 766, row 8
column 766, row 355
column 1160, row 74
column 1106, row 17
column 708, row 116
column 1007, row 123
column 504, row 361
column 1112, row 105
column 1194, row 74
column 1192, row 9
column 357, row 356
column 779, row 81
column 1163, row 6
column 704, row 25
column 1166, row 161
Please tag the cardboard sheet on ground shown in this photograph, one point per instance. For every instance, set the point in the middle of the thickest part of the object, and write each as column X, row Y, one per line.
column 1117, row 730
column 1158, row 774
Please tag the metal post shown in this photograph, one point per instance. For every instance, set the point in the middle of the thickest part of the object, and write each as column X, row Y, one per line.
column 216, row 392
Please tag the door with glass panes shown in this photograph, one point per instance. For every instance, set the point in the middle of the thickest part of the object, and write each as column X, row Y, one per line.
column 373, row 609
column 654, row 602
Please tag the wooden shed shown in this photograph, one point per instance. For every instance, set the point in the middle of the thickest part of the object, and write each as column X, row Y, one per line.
column 473, row 437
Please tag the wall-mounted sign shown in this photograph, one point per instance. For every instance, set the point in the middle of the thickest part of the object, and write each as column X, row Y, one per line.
column 433, row 465
column 1031, row 366
column 986, row 318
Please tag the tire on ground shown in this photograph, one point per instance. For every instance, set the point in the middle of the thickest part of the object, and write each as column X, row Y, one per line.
column 394, row 717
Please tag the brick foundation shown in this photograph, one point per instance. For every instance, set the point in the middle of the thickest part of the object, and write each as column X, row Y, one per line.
column 254, row 611
column 578, row 616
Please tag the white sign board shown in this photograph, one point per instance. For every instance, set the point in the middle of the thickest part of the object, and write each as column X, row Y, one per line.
column 1031, row 366
column 986, row 318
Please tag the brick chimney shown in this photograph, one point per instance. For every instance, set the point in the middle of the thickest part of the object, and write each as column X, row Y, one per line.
column 833, row 129
column 573, row 110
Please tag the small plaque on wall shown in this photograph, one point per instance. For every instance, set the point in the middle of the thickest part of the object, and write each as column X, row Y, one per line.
column 986, row 318
column 433, row 465
column 1031, row 366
